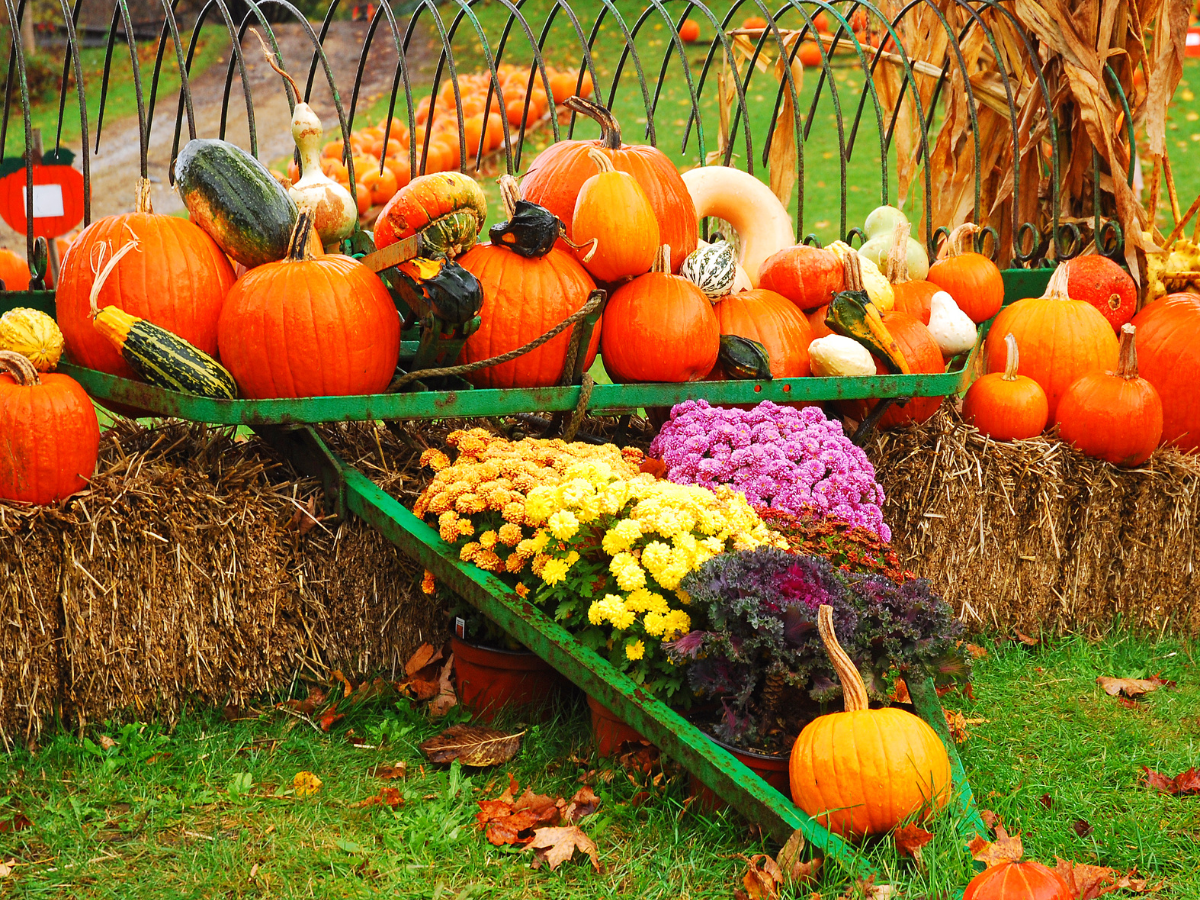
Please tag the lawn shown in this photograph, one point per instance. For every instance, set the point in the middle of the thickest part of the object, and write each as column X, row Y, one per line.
column 209, row 809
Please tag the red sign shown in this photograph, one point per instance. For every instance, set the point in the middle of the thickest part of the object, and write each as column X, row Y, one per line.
column 57, row 200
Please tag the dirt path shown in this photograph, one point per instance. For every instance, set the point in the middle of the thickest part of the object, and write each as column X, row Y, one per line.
column 115, row 167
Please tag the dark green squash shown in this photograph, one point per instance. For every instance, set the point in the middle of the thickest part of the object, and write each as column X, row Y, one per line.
column 744, row 359
column 853, row 315
column 233, row 197
column 439, row 286
column 531, row 231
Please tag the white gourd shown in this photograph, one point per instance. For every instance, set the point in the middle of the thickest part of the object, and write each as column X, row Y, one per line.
column 712, row 268
column 878, row 288
column 878, row 248
column 836, row 356
column 951, row 328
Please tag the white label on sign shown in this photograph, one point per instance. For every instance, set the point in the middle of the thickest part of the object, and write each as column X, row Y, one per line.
column 47, row 201
column 1193, row 39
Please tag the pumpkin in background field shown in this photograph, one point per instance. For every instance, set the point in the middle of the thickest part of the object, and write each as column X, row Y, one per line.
column 613, row 224
column 805, row 275
column 973, row 280
column 1004, row 405
column 49, row 436
column 1060, row 338
column 659, row 327
column 178, row 282
column 529, row 286
column 863, row 771
column 309, row 326
column 14, row 271
column 1105, row 285
column 1018, row 881
column 921, row 352
column 689, row 31
column 773, row 321
column 556, row 175
column 1114, row 416
column 1168, row 339
column 34, row 335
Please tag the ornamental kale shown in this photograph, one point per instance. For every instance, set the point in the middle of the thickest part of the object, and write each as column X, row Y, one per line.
column 780, row 457
column 760, row 654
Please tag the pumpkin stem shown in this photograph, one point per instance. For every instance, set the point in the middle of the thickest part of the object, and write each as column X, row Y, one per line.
column 142, row 197
column 510, row 193
column 1013, row 363
column 271, row 62
column 102, row 270
column 1056, row 289
column 854, row 692
column 610, row 131
column 662, row 260
column 591, row 250
column 602, row 162
column 1127, row 360
column 853, row 269
column 896, row 267
column 19, row 368
column 298, row 243
column 953, row 245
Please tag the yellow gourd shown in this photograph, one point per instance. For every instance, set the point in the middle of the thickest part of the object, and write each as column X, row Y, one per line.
column 34, row 335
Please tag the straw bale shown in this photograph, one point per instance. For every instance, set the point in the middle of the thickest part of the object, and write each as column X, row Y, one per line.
column 1033, row 535
column 181, row 574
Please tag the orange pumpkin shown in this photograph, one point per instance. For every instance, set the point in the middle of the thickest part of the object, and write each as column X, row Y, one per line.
column 659, row 327
column 1169, row 358
column 816, row 322
column 805, row 275
column 614, row 224
column 1006, row 406
column 1105, row 285
column 309, row 326
column 912, row 297
column 49, row 436
column 973, row 280
column 863, row 771
column 1114, row 416
column 559, row 171
column 529, row 286
column 921, row 353
column 178, row 282
column 773, row 321
column 14, row 271
column 810, row 55
column 1060, row 339
column 1011, row 880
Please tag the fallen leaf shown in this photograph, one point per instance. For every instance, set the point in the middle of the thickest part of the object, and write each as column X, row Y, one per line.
column 6, row 867
column 1132, row 687
column 639, row 756
column 425, row 655
column 330, row 717
column 957, row 723
column 583, row 804
column 975, row 650
column 910, row 839
column 900, row 693
column 345, row 682
column 990, row 819
column 1046, row 800
column 309, row 705
column 508, row 821
column 388, row 796
column 868, row 890
column 106, row 743
column 1006, row 848
column 640, row 798
column 554, row 846
column 446, row 699
column 762, row 878
column 19, row 822
column 306, row 784
column 1082, row 827
column 1089, row 882
column 1027, row 640
column 387, row 773
column 789, row 855
column 472, row 745
column 1184, row 784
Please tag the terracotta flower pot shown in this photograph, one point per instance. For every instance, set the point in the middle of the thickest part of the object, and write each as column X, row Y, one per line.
column 771, row 769
column 608, row 732
column 488, row 680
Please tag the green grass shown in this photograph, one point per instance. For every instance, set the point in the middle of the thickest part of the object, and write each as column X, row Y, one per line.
column 190, row 813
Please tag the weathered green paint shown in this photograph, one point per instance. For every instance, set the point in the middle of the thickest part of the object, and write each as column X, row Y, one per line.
column 43, row 301
column 1022, row 283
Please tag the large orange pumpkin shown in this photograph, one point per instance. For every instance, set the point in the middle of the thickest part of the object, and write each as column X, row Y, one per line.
column 1115, row 416
column 1060, row 339
column 1168, row 339
column 14, row 271
column 556, row 175
column 863, row 771
column 659, row 327
column 49, row 436
column 773, row 321
column 1017, row 881
column 807, row 276
column 309, row 326
column 973, row 280
column 529, row 286
column 921, row 352
column 178, row 281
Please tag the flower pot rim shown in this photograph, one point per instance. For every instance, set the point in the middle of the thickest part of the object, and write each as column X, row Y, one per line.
column 754, row 754
column 455, row 639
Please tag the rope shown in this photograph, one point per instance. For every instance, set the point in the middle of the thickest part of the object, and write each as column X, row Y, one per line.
column 594, row 301
column 585, row 394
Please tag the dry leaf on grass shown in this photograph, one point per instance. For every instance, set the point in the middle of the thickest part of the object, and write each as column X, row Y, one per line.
column 763, row 878
column 1027, row 640
column 957, row 723
column 330, row 717
column 910, row 839
column 1132, row 687
column 990, row 819
column 1005, row 848
column 555, row 846
column 306, row 784
column 387, row 773
column 105, row 742
column 794, row 868
column 1089, row 882
column 867, row 889
column 583, row 804
column 1082, row 827
column 425, row 655
column 509, row 821
column 446, row 699
column 472, row 745
column 1184, row 784
column 388, row 796
column 19, row 822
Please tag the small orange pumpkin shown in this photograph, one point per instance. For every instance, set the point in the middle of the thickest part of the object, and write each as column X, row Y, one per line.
column 1006, row 406
column 973, row 280
column 863, row 771
column 14, row 271
column 1012, row 880
column 1115, row 416
column 689, row 31
column 807, row 276
column 613, row 216
column 659, row 327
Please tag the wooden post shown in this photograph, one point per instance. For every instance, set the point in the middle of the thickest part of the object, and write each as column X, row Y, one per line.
column 28, row 37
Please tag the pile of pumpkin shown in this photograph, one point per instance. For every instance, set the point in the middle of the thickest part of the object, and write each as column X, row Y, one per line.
column 380, row 154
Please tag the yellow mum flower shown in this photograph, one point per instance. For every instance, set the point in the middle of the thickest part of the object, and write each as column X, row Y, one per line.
column 540, row 540
column 563, row 524
column 630, row 578
column 448, row 526
column 554, row 571
column 636, row 650
column 654, row 623
column 656, row 556
column 466, row 527
column 676, row 622
column 624, row 619
column 514, row 512
column 488, row 539
column 488, row 561
column 515, row 563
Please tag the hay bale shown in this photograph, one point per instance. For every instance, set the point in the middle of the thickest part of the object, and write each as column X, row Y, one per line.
column 1033, row 535
column 181, row 573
